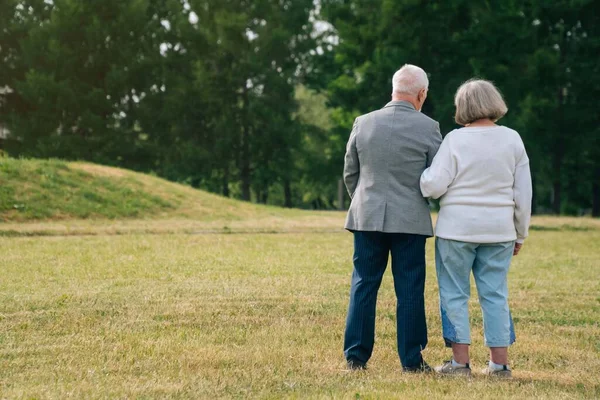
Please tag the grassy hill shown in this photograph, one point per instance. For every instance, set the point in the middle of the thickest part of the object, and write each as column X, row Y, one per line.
column 58, row 197
column 57, row 190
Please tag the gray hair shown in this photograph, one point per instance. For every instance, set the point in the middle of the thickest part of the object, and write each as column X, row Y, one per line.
column 478, row 99
column 409, row 79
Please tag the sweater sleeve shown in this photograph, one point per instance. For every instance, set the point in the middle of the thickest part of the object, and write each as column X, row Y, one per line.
column 522, row 196
column 436, row 179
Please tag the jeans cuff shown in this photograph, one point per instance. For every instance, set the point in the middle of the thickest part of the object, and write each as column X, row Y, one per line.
column 499, row 344
column 448, row 342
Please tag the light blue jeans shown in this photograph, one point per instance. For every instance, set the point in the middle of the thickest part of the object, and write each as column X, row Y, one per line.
column 489, row 262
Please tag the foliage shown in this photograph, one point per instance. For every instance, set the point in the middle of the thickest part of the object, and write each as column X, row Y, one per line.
column 539, row 53
column 254, row 99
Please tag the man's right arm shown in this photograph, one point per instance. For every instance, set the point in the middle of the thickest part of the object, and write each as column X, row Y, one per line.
column 351, row 164
column 434, row 145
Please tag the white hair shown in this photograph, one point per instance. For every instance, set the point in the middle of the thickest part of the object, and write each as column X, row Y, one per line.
column 478, row 99
column 409, row 79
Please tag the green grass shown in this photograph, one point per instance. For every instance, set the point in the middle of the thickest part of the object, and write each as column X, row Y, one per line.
column 178, row 315
column 45, row 189
column 122, row 285
column 60, row 192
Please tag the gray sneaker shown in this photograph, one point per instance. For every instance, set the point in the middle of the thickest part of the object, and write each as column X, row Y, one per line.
column 448, row 369
column 502, row 373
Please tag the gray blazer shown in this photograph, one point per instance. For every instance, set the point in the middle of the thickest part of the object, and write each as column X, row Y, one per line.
column 387, row 152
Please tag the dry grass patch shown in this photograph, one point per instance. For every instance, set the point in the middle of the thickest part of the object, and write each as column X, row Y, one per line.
column 262, row 316
column 99, row 170
column 258, row 219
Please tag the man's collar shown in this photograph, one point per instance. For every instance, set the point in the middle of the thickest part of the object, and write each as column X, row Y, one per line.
column 400, row 103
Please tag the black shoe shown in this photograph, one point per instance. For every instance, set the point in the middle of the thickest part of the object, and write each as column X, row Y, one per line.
column 356, row 364
column 418, row 369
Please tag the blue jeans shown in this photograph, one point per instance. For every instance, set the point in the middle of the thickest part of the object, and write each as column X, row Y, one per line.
column 489, row 262
column 371, row 252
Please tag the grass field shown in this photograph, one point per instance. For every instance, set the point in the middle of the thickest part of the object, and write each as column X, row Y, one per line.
column 178, row 315
column 142, row 288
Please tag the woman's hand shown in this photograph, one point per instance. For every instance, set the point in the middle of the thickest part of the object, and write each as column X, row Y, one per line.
column 518, row 247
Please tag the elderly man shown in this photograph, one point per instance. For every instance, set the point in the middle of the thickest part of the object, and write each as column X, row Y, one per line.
column 387, row 152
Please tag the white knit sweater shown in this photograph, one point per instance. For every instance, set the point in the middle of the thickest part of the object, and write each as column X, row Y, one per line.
column 482, row 175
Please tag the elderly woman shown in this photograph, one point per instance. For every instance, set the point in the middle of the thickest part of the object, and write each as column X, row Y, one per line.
column 481, row 173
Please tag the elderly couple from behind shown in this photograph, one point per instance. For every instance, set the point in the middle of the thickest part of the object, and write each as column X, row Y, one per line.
column 395, row 160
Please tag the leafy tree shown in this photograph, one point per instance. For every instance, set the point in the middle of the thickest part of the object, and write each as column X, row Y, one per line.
column 539, row 53
column 255, row 98
column 78, row 62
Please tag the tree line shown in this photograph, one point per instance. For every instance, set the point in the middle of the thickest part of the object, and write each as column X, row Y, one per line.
column 255, row 99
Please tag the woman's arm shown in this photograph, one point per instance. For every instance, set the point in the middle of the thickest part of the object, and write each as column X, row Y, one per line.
column 522, row 196
column 436, row 179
